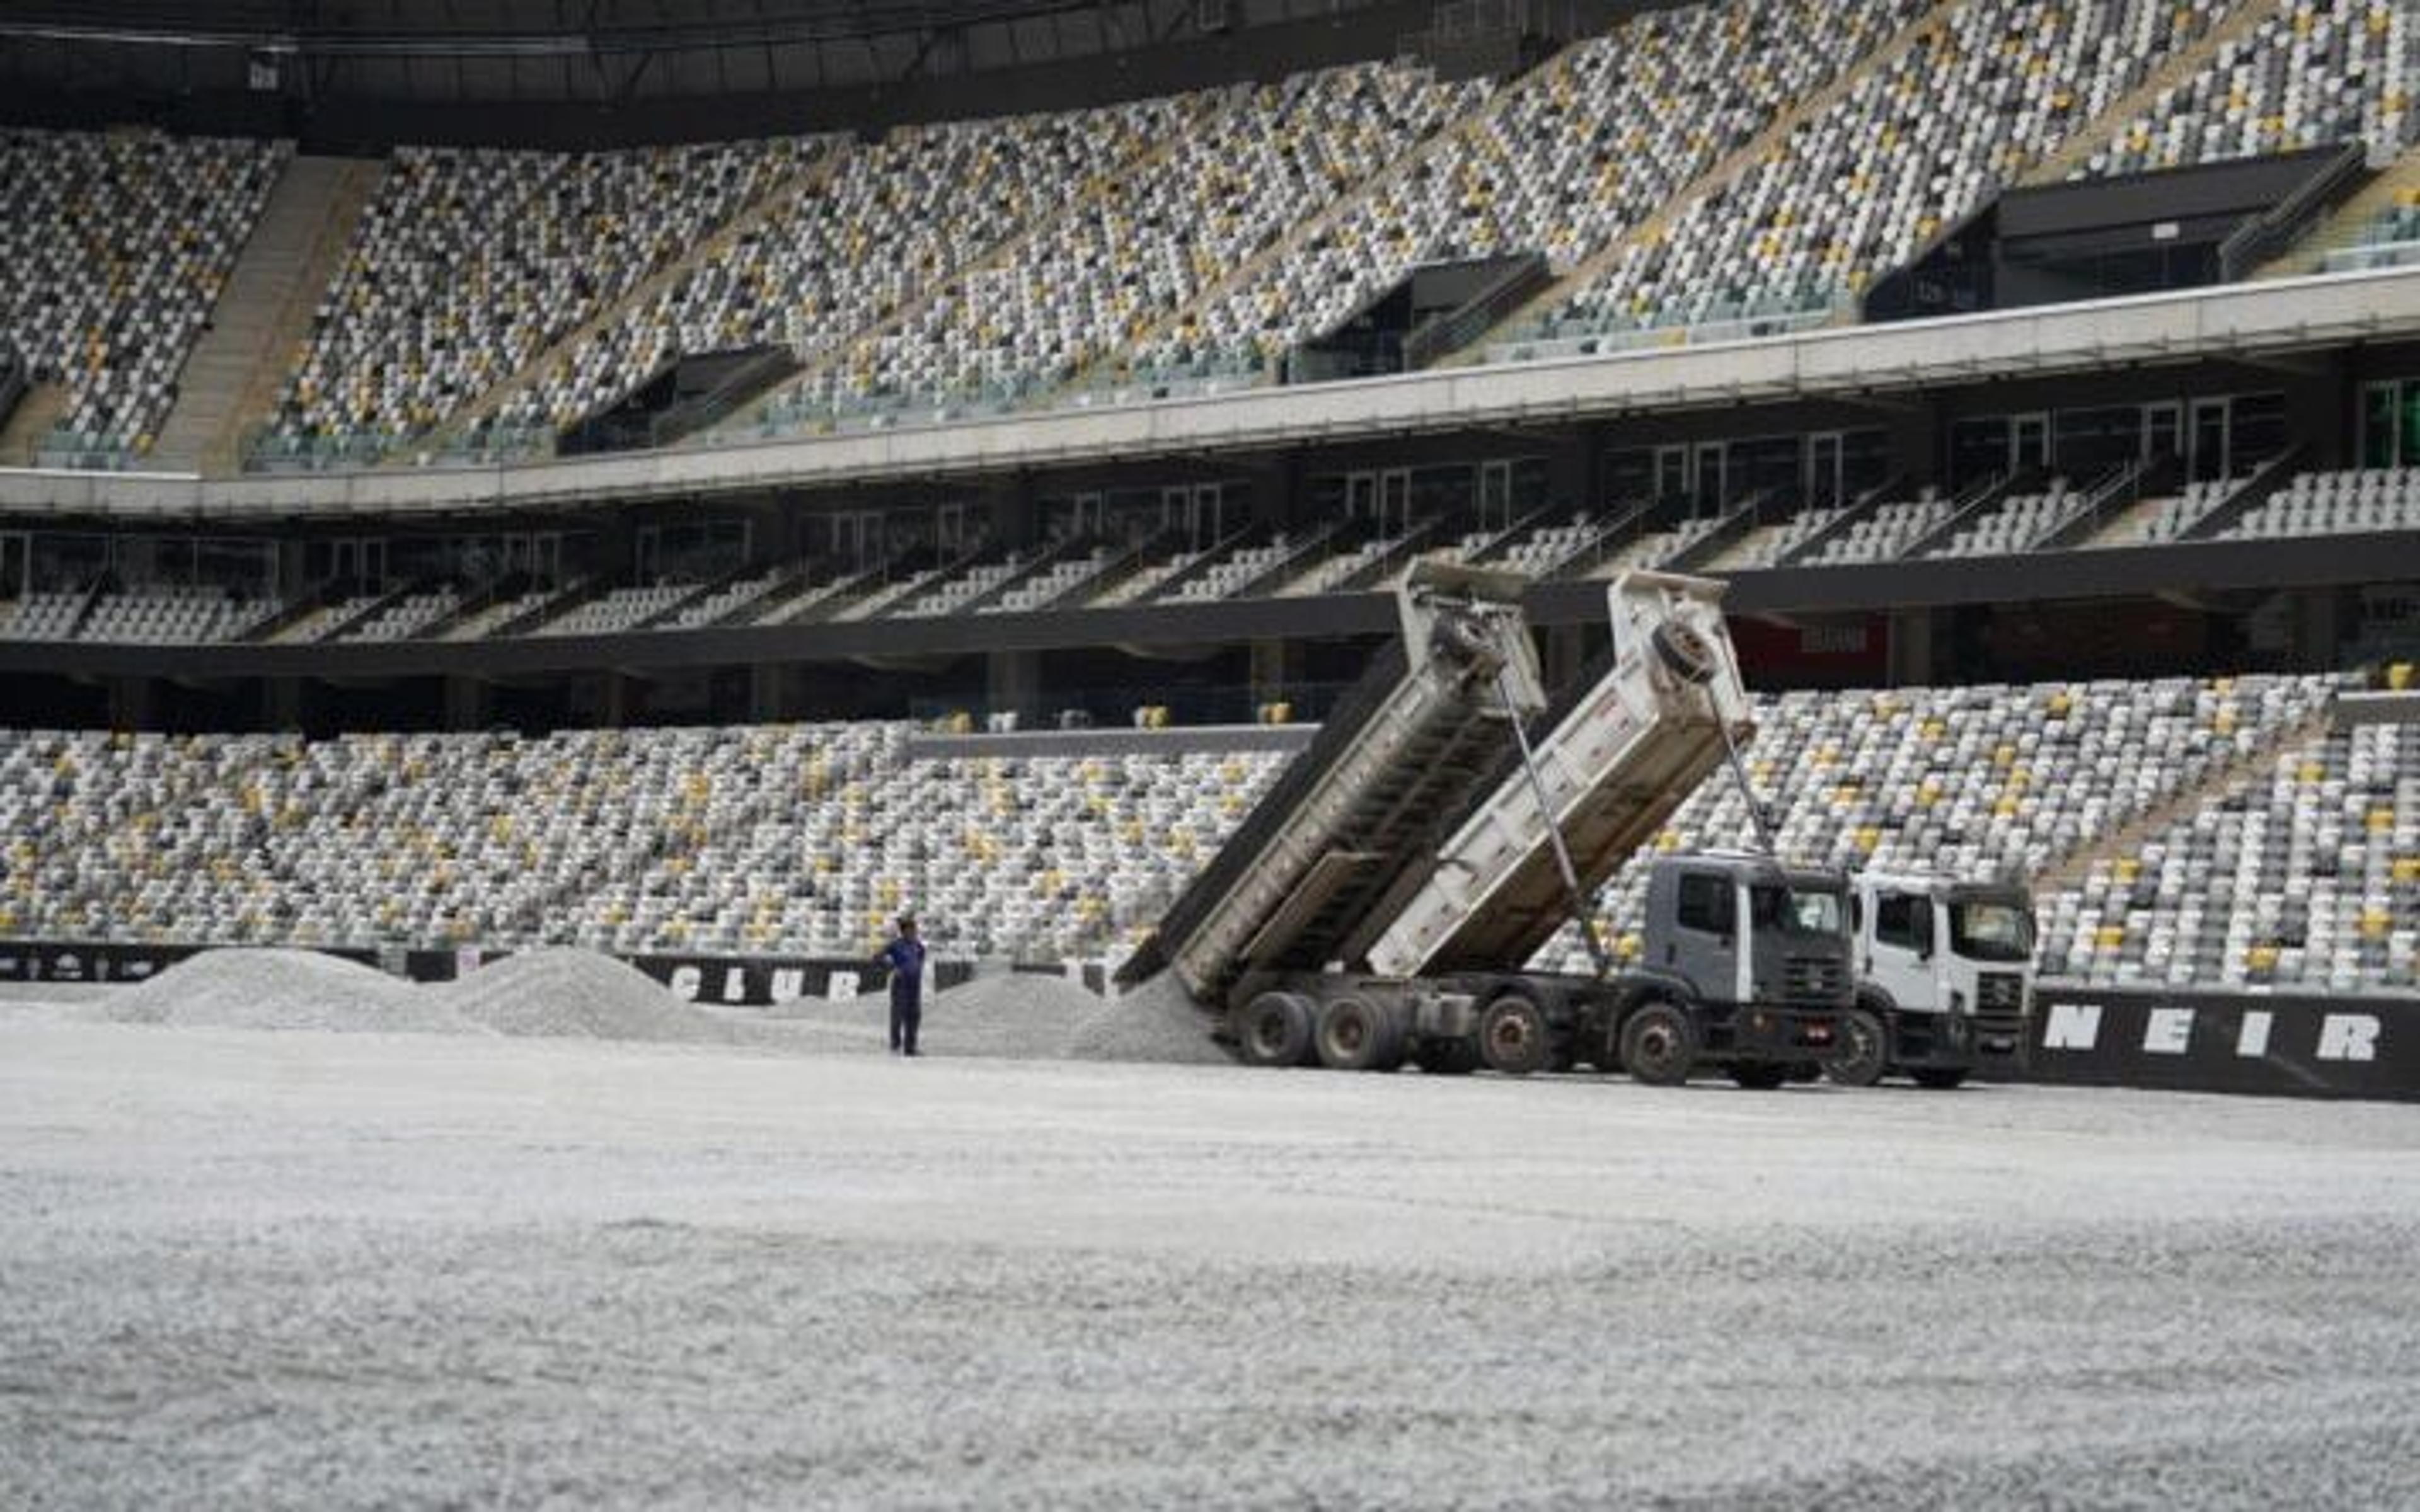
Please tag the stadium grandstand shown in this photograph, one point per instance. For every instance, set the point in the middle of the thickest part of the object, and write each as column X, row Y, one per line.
column 1414, row 754
column 704, row 477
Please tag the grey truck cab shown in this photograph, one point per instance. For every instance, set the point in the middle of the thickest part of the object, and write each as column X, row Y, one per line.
column 1753, row 956
column 1945, row 973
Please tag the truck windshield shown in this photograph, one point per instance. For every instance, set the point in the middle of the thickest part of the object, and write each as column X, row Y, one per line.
column 1989, row 930
column 1795, row 911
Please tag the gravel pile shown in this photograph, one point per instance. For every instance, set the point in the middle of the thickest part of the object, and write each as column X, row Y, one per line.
column 1007, row 1017
column 280, row 990
column 1155, row 1022
column 565, row 994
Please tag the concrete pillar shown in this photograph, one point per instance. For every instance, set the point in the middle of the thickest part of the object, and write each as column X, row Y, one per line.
column 1277, row 671
column 134, row 703
column 283, row 704
column 1013, row 685
column 1562, row 653
column 1910, row 652
column 773, row 693
column 2319, row 628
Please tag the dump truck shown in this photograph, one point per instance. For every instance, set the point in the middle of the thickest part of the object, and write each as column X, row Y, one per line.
column 1382, row 901
column 1945, row 978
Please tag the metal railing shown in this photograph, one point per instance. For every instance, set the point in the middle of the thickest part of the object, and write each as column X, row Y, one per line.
column 1775, row 314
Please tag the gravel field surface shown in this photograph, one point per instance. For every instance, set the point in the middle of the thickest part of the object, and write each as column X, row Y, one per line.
column 305, row 1268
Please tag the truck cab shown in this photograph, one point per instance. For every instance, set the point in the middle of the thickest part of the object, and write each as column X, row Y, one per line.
column 1945, row 974
column 1758, row 955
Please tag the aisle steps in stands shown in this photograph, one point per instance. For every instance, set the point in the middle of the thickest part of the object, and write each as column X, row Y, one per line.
column 1979, row 500
column 310, row 216
column 2344, row 226
column 1732, row 528
column 2070, row 871
column 2256, row 489
column 1896, row 486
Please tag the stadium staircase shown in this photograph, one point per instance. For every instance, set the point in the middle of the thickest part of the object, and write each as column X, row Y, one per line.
column 2128, row 839
column 2343, row 226
column 752, row 216
column 1103, row 184
column 264, row 311
column 2142, row 100
column 42, row 407
column 1772, row 140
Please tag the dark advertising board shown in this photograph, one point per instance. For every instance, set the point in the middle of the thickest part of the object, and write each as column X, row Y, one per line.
column 2300, row 1045
column 762, row 982
column 754, row 981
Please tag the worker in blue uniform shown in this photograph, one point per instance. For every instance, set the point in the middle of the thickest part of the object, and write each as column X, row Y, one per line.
column 905, row 956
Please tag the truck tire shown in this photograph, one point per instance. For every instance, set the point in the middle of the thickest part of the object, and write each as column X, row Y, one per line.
column 1356, row 1034
column 1274, row 1030
column 1758, row 1075
column 1447, row 1058
column 1659, row 1045
column 1683, row 652
column 1940, row 1078
column 1514, row 1037
column 1865, row 1049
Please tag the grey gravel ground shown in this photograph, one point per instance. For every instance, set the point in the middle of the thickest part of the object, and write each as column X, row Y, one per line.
column 315, row 1269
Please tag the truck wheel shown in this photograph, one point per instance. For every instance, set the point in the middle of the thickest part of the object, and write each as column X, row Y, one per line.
column 1514, row 1037
column 1447, row 1058
column 1274, row 1030
column 1939, row 1078
column 1683, row 651
column 1356, row 1034
column 1758, row 1075
column 1865, row 1050
column 1659, row 1046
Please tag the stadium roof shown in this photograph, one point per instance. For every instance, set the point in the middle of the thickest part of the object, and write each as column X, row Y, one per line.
column 419, row 48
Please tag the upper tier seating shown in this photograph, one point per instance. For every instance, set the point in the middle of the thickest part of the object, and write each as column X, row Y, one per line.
column 471, row 261
column 1565, row 163
column 111, row 253
column 1863, row 186
column 1103, row 273
column 842, row 252
column 2313, row 74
